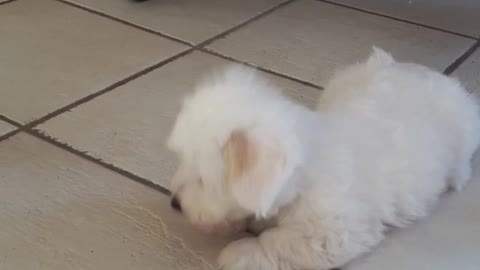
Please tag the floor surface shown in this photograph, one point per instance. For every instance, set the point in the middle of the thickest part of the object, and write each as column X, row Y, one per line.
column 89, row 90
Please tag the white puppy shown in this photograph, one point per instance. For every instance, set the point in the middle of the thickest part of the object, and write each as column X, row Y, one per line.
column 387, row 140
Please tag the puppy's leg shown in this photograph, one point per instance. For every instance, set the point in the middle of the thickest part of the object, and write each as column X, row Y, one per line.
column 256, row 227
column 246, row 254
column 286, row 248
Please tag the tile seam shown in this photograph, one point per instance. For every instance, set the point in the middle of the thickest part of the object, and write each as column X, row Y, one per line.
column 253, row 19
column 125, row 22
column 269, row 71
column 85, row 155
column 6, row 2
column 202, row 45
column 17, row 129
column 398, row 19
column 462, row 58
column 107, row 89
column 82, row 154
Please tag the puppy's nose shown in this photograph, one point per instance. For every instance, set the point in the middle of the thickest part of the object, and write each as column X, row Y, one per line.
column 175, row 204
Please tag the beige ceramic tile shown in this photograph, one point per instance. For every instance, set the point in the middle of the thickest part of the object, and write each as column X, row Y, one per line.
column 456, row 16
column 52, row 54
column 5, row 127
column 469, row 73
column 310, row 39
column 128, row 127
column 448, row 239
column 190, row 20
column 62, row 212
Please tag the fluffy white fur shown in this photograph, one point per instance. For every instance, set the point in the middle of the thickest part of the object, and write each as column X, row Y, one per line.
column 387, row 140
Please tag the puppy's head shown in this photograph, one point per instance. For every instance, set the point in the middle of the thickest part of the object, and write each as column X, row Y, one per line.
column 236, row 149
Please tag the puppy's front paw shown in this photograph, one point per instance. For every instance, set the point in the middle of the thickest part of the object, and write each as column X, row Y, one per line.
column 245, row 254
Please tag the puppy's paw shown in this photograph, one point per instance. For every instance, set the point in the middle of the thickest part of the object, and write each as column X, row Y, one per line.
column 245, row 254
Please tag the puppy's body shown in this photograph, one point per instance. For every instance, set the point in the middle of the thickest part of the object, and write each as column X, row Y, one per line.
column 387, row 140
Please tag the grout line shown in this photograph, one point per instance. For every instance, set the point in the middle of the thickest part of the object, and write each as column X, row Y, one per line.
column 107, row 89
column 9, row 134
column 6, row 2
column 278, row 74
column 152, row 31
column 245, row 23
column 38, row 134
column 397, row 19
column 29, row 127
column 201, row 45
column 459, row 61
column 83, row 154
column 105, row 15
column 10, row 121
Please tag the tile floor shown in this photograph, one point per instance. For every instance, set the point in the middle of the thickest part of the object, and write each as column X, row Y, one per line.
column 89, row 90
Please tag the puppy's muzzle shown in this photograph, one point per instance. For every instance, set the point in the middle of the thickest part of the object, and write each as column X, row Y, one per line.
column 175, row 204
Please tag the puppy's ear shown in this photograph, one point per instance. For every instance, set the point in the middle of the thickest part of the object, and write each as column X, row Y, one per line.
column 255, row 168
